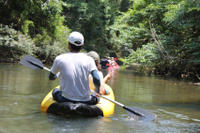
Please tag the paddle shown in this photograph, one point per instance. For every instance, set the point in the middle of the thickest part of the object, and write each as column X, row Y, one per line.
column 124, row 107
column 34, row 63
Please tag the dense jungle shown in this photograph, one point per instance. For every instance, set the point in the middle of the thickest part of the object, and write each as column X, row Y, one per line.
column 152, row 36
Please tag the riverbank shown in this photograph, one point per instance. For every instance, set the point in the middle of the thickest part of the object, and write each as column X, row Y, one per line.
column 141, row 69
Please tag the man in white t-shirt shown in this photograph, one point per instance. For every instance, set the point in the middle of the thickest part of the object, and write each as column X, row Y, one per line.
column 74, row 68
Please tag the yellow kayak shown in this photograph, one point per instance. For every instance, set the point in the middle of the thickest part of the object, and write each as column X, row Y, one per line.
column 103, row 108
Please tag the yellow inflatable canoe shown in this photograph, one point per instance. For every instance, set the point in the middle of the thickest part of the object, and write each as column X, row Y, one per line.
column 103, row 108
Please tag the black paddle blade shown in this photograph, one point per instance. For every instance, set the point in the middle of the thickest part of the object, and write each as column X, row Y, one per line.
column 133, row 111
column 140, row 114
column 31, row 62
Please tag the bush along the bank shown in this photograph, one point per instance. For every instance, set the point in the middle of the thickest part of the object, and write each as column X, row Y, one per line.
column 14, row 44
column 142, row 60
column 48, row 52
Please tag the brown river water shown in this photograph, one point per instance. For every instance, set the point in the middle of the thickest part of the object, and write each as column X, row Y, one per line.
column 176, row 104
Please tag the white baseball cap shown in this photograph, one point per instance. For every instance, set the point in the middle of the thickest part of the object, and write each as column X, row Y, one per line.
column 76, row 38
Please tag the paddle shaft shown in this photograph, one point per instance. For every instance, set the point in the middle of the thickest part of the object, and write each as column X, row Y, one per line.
column 123, row 106
column 37, row 65
column 45, row 68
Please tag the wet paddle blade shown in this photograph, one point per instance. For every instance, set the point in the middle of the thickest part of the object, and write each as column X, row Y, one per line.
column 31, row 62
column 135, row 112
column 145, row 115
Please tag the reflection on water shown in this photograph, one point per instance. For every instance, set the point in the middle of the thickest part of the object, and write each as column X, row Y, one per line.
column 175, row 103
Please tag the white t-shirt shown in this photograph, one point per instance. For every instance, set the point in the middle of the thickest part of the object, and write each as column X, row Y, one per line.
column 74, row 75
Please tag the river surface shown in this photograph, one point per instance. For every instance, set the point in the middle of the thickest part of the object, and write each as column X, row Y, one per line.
column 176, row 104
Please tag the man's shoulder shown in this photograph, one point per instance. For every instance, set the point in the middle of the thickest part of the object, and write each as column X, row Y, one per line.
column 84, row 55
column 81, row 56
column 61, row 56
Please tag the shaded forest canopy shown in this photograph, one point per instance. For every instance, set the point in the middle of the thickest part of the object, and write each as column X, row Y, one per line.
column 163, row 36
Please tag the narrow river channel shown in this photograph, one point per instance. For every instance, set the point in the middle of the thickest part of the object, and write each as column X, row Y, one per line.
column 176, row 104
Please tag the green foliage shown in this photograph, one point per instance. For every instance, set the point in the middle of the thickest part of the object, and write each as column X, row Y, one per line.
column 49, row 52
column 184, row 42
column 171, row 26
column 25, row 26
column 125, row 5
column 40, row 20
column 145, row 56
column 92, row 19
column 14, row 44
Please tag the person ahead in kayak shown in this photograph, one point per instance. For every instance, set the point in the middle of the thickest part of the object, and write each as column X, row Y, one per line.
column 103, row 79
column 74, row 68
